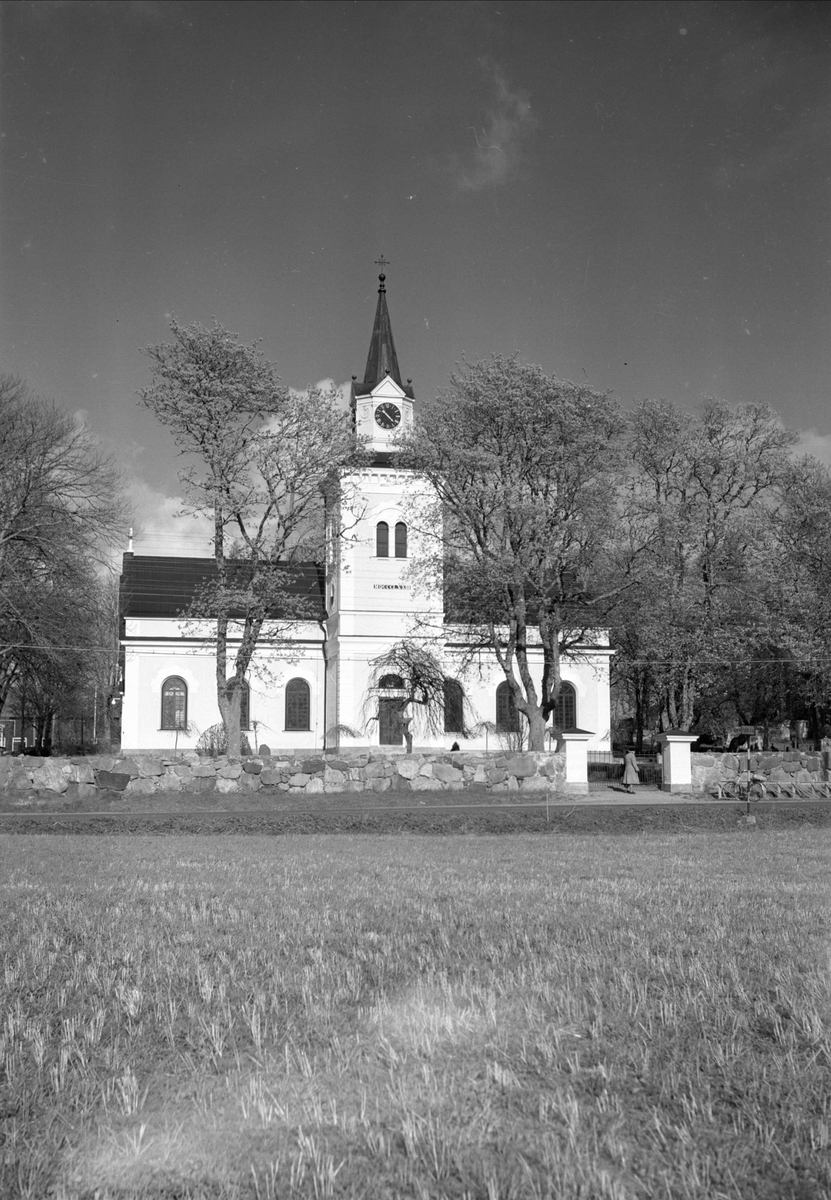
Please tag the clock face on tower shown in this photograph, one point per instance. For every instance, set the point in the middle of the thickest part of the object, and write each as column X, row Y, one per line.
column 387, row 415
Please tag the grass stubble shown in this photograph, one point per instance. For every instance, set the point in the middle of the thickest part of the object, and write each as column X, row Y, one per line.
column 356, row 1016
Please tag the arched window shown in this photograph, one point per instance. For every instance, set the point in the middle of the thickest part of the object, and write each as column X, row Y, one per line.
column 565, row 711
column 507, row 715
column 382, row 540
column 174, row 703
column 298, row 705
column 454, row 706
column 400, row 540
column 391, row 681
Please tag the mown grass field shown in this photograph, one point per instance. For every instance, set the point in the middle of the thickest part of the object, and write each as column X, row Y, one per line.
column 467, row 1016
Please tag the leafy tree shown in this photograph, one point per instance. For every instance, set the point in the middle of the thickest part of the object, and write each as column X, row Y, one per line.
column 262, row 460
column 61, row 506
column 803, row 587
column 703, row 507
column 525, row 472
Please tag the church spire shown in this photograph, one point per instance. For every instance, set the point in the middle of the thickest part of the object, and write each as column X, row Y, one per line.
column 382, row 359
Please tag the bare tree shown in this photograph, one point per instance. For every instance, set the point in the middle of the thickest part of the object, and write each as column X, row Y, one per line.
column 61, row 506
column 263, row 463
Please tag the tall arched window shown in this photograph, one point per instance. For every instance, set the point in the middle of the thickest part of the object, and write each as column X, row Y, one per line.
column 391, row 681
column 454, row 706
column 400, row 540
column 507, row 715
column 298, row 705
column 565, row 711
column 174, row 703
column 382, row 540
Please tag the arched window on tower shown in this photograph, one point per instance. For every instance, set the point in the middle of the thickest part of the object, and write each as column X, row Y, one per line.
column 454, row 707
column 400, row 540
column 507, row 714
column 565, row 710
column 298, row 705
column 382, row 540
column 174, row 703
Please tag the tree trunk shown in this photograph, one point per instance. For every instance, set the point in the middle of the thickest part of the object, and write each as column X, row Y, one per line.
column 229, row 706
column 536, row 729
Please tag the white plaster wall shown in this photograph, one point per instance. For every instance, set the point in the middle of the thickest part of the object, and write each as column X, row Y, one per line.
column 149, row 663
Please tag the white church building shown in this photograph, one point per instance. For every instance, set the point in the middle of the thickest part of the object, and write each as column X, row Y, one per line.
column 320, row 689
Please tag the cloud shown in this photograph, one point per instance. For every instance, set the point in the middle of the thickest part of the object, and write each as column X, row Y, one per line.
column 497, row 145
column 159, row 527
column 342, row 392
column 818, row 445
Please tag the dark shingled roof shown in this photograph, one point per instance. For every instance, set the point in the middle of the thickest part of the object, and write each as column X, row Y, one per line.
column 382, row 359
column 158, row 586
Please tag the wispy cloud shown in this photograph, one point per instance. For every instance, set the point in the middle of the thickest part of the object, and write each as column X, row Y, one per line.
column 816, row 444
column 159, row 526
column 497, row 144
column 341, row 392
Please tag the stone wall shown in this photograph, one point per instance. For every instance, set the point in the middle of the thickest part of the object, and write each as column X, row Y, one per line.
column 786, row 773
column 372, row 772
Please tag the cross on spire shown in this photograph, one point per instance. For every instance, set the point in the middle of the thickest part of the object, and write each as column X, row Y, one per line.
column 382, row 262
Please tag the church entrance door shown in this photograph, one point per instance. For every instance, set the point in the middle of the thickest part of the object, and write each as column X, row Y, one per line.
column 389, row 728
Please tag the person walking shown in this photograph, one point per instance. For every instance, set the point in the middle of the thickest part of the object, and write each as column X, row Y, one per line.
column 630, row 772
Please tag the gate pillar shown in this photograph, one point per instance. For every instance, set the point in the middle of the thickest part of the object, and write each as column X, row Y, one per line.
column 575, row 742
column 676, row 762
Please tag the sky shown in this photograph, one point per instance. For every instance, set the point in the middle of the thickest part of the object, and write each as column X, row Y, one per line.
column 630, row 194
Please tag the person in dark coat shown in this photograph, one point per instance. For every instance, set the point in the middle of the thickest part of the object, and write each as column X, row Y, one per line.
column 630, row 771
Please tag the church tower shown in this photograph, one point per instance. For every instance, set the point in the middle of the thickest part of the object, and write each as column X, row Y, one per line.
column 382, row 406
column 370, row 600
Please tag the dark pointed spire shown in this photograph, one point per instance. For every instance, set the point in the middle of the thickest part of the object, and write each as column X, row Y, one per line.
column 382, row 359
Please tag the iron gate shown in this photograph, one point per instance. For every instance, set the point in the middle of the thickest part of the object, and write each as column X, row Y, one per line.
column 605, row 770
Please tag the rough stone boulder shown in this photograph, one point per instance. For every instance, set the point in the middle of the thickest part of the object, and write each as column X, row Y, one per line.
column 375, row 770
column 522, row 766
column 80, row 772
column 150, row 766
column 408, row 768
column 50, row 778
column 113, row 781
column 143, row 786
column 127, row 766
column 446, row 774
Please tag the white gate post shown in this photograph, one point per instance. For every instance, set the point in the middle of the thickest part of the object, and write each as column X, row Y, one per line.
column 676, row 762
column 575, row 742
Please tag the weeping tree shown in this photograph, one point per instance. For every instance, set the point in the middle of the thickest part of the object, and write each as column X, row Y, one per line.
column 262, row 462
column 421, row 686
